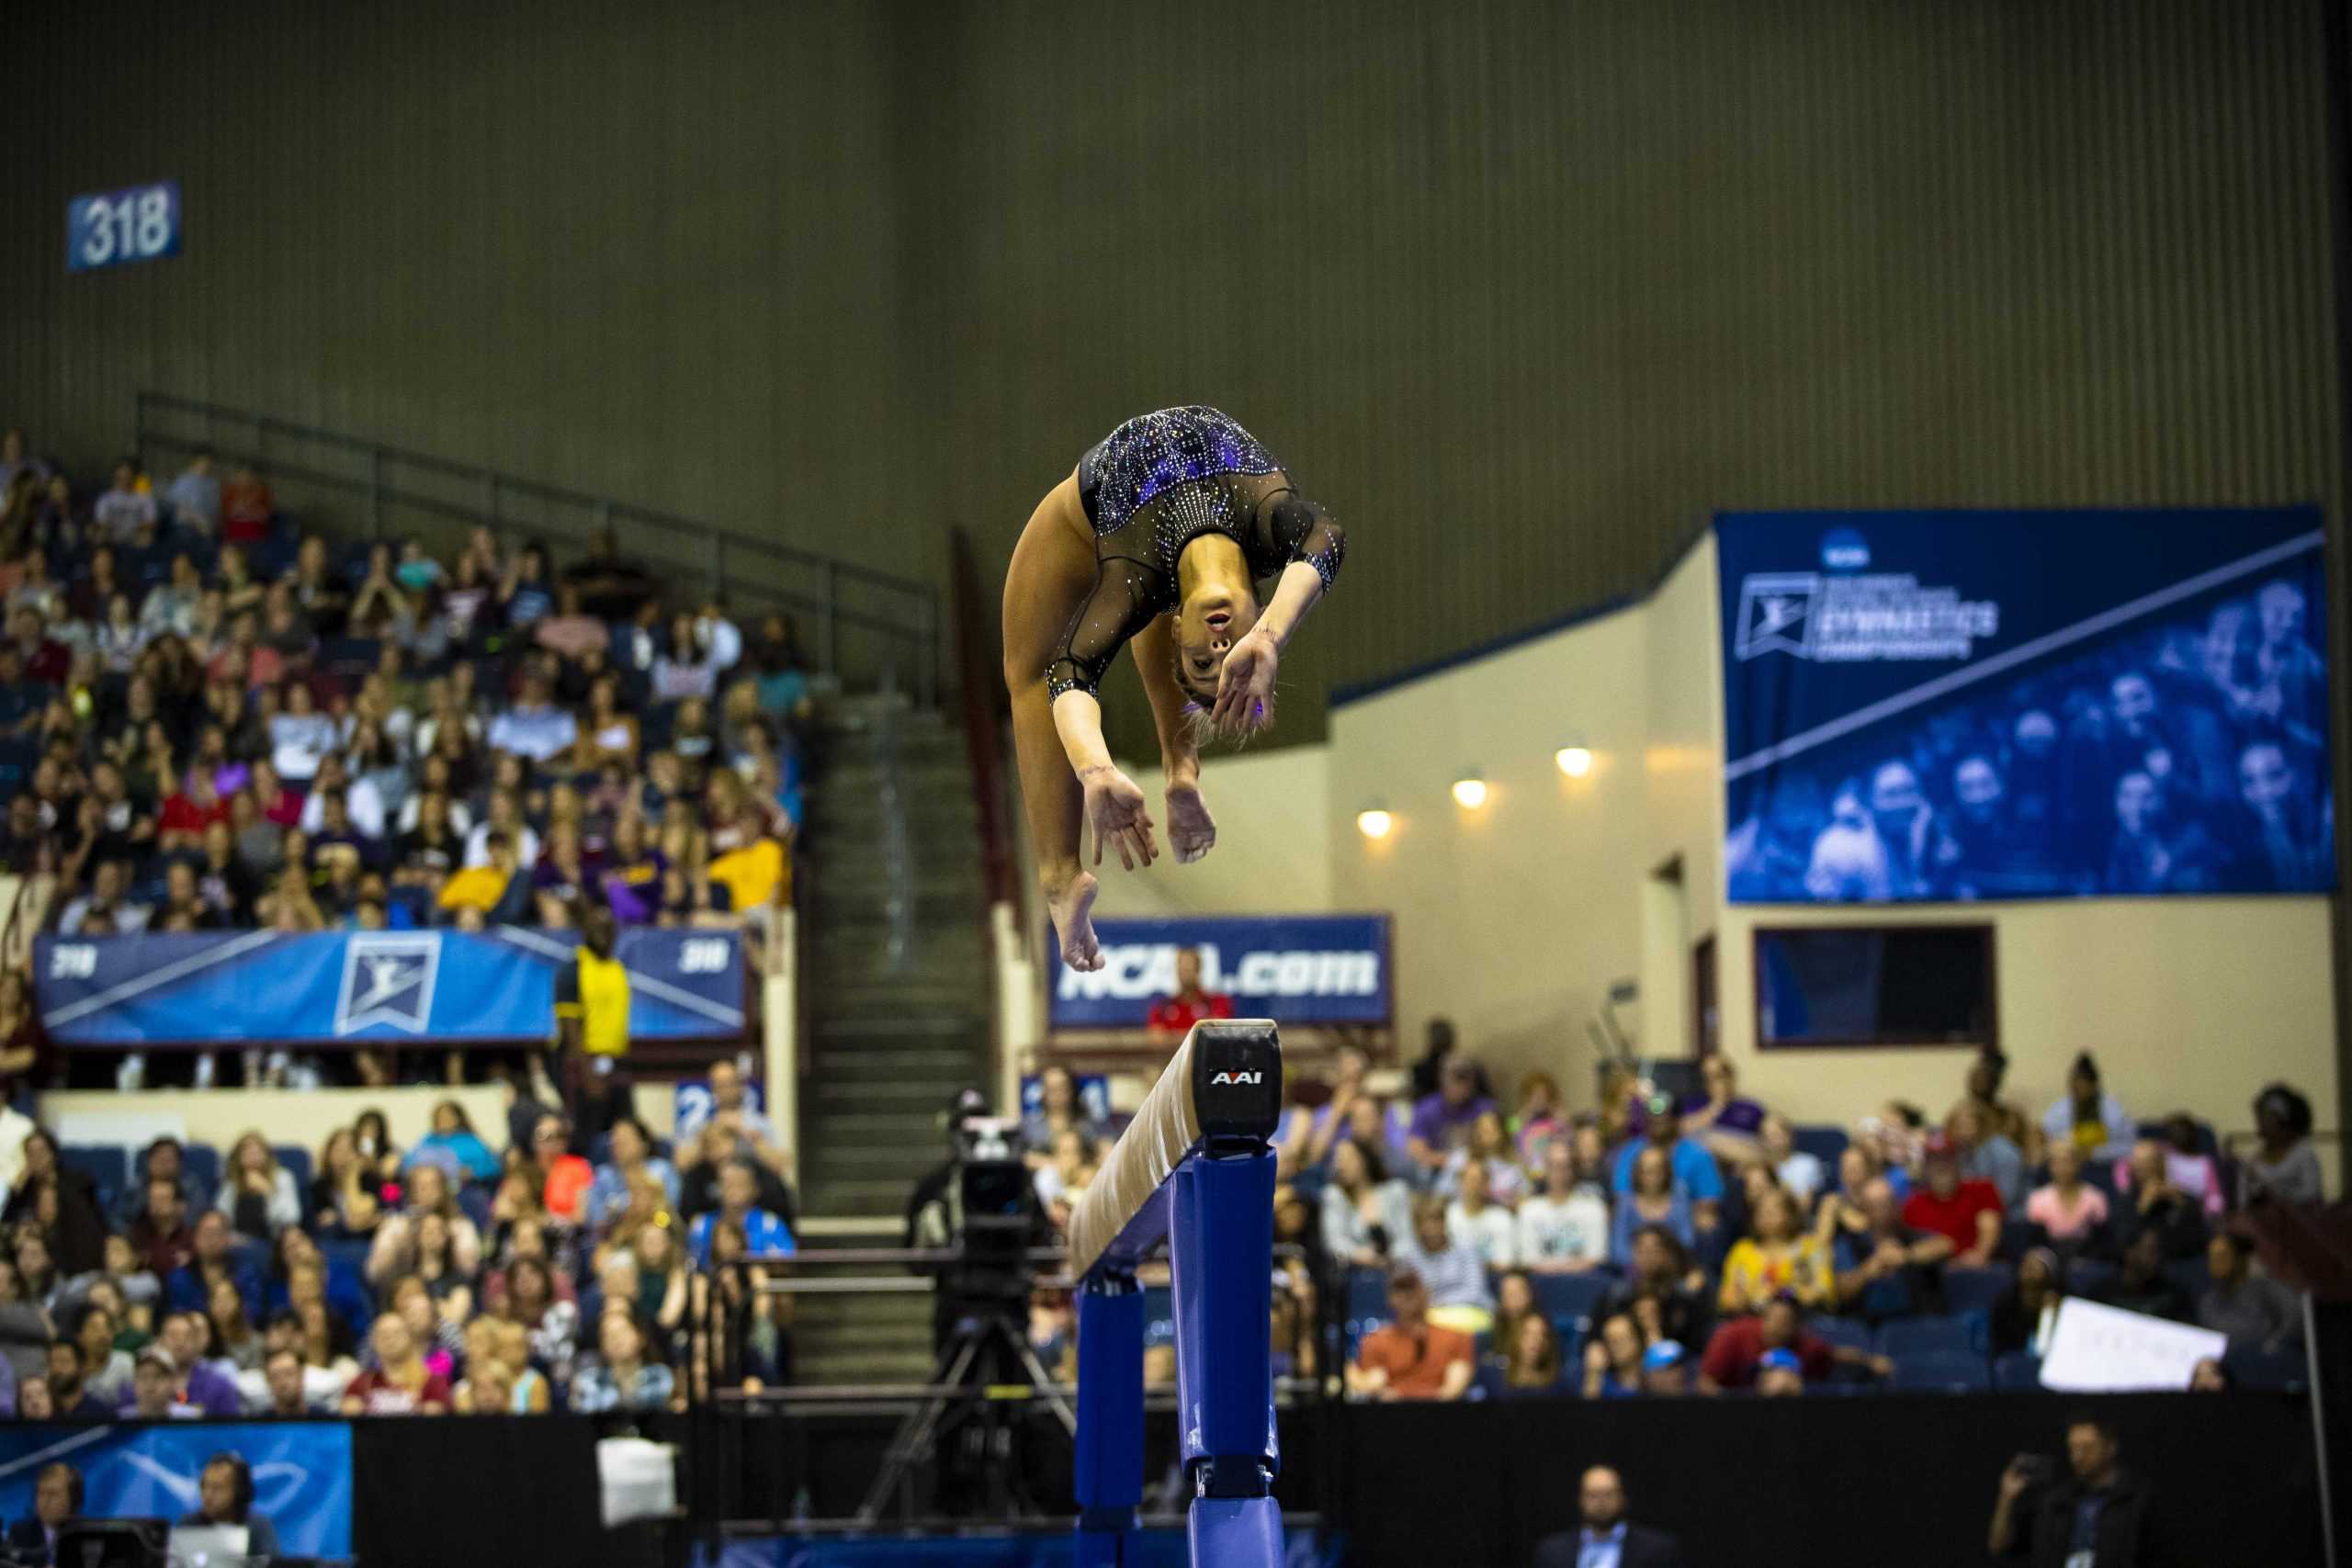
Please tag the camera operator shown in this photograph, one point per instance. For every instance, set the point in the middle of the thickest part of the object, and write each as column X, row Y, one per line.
column 2096, row 1517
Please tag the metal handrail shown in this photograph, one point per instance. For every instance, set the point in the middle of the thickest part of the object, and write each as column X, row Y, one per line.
column 911, row 618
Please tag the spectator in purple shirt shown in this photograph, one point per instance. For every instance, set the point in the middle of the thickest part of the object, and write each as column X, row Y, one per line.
column 1441, row 1121
column 1719, row 1117
column 199, row 1384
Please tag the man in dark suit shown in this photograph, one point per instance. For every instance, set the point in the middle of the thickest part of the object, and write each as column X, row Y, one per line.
column 1608, row 1538
column 57, row 1496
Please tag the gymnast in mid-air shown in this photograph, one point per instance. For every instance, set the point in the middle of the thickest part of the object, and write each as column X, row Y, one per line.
column 1157, row 542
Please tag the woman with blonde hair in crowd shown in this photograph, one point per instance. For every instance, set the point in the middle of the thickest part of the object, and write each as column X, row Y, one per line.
column 257, row 1194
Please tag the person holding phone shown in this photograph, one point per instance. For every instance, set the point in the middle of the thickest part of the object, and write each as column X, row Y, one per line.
column 2096, row 1516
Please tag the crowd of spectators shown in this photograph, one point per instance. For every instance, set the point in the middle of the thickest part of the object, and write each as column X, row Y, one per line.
column 215, row 719
column 450, row 1276
column 1669, row 1246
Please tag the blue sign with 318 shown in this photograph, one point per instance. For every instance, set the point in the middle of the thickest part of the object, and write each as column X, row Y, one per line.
column 118, row 227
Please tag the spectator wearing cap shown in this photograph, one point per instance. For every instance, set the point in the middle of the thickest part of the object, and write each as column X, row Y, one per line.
column 2088, row 1117
column 2257, row 1312
column 1736, row 1352
column 2282, row 1168
column 1666, row 1370
column 1967, row 1213
column 156, row 1392
column 1889, row 1270
column 1441, row 1121
column 1606, row 1538
column 1411, row 1357
column 1448, row 1267
column 1693, row 1167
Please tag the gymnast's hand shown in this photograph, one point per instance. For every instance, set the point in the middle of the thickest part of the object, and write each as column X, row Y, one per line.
column 1115, row 808
column 1245, row 687
column 1191, row 831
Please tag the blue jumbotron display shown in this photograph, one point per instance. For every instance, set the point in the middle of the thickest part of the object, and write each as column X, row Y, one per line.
column 1195, row 1168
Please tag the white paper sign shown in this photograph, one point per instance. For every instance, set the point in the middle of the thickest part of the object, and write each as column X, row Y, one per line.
column 2103, row 1350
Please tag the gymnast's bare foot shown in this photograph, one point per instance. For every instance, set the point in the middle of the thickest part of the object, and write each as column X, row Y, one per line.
column 1072, row 909
column 1191, row 831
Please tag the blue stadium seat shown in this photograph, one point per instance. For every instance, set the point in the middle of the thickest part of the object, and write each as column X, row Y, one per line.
column 1845, row 1333
column 345, row 1256
column 1975, row 1290
column 1915, row 1336
column 1571, row 1333
column 1944, row 1372
column 106, row 1165
column 296, row 1161
column 1571, row 1295
column 1367, row 1296
column 2018, row 1371
column 2089, row 1276
column 1823, row 1144
column 2268, row 1371
column 2189, row 1277
column 202, row 1163
column 473, row 1201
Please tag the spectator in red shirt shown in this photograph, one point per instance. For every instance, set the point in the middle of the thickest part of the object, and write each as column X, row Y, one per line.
column 1967, row 1212
column 189, row 810
column 161, row 1235
column 401, row 1383
column 245, row 506
column 1171, row 1017
column 1736, row 1351
column 1412, row 1358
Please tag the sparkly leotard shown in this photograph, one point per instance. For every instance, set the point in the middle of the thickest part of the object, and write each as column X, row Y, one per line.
column 1153, row 486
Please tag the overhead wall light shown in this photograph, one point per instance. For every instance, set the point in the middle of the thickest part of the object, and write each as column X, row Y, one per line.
column 1374, row 822
column 1470, row 790
column 1574, row 760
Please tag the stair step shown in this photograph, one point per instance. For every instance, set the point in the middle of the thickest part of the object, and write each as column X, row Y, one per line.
column 853, row 1157
column 903, row 1129
column 861, row 1194
column 898, row 1061
column 901, row 1026
column 845, row 1092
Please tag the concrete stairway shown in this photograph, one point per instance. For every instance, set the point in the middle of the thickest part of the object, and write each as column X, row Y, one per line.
column 896, row 1003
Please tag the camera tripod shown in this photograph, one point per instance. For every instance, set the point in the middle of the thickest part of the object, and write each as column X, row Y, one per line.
column 987, row 1372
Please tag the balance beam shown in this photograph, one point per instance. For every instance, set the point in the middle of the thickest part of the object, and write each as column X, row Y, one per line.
column 1195, row 1169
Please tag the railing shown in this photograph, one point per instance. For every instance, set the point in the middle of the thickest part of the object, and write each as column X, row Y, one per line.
column 869, row 627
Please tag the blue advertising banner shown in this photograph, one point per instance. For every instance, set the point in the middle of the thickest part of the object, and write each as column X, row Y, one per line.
column 116, row 227
column 357, row 986
column 1299, row 969
column 2024, row 705
column 301, row 1473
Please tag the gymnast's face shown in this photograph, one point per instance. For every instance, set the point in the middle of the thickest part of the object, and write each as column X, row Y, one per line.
column 1212, row 618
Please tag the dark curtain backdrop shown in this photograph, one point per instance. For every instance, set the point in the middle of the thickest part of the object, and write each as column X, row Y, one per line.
column 1522, row 289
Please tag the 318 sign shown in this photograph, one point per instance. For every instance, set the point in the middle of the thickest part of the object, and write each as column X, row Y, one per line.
column 122, row 226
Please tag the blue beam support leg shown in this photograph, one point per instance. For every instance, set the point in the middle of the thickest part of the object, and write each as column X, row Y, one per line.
column 1110, row 1420
column 1220, row 1249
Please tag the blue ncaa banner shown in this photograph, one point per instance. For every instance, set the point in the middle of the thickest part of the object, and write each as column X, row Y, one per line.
column 1950, row 706
column 361, row 987
column 301, row 1473
column 1296, row 969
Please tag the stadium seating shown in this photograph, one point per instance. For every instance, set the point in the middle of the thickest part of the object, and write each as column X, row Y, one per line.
column 1945, row 1372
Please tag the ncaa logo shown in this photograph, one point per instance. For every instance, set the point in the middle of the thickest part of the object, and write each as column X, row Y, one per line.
column 1843, row 550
